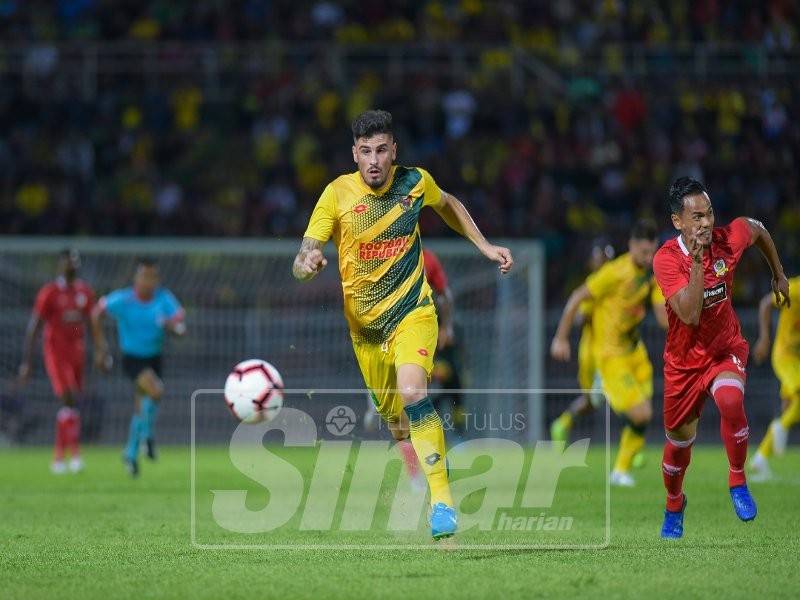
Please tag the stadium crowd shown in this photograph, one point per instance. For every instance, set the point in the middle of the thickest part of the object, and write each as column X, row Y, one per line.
column 179, row 158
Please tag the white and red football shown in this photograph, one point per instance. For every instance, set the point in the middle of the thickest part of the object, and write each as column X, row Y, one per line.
column 254, row 391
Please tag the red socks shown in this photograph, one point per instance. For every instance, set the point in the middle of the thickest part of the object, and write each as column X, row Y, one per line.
column 677, row 455
column 729, row 396
column 68, row 432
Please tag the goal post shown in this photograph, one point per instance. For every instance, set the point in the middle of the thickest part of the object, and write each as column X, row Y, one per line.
column 242, row 302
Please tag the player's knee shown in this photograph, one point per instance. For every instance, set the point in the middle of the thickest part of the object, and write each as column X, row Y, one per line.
column 411, row 394
column 399, row 430
column 151, row 386
column 157, row 391
column 638, row 425
column 729, row 396
column 68, row 399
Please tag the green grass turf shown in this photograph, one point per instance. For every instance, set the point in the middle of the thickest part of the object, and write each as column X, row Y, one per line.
column 101, row 535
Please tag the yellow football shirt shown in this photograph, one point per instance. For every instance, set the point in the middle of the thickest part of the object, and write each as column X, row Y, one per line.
column 787, row 336
column 620, row 290
column 377, row 236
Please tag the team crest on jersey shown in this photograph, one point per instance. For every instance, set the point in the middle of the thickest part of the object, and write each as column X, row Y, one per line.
column 720, row 268
column 360, row 208
column 405, row 203
column 80, row 299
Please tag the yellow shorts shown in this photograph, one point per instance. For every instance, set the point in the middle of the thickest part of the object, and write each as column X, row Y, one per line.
column 586, row 364
column 787, row 369
column 627, row 380
column 412, row 342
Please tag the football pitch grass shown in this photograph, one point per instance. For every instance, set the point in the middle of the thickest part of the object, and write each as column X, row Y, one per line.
column 100, row 534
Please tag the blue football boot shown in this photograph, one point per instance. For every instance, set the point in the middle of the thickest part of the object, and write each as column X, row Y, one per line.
column 743, row 503
column 443, row 521
column 673, row 522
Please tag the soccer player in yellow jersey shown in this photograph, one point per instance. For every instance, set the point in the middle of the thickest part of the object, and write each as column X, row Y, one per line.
column 620, row 289
column 372, row 216
column 786, row 363
column 585, row 403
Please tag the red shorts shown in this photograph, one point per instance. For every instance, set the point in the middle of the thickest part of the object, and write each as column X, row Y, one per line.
column 686, row 390
column 65, row 369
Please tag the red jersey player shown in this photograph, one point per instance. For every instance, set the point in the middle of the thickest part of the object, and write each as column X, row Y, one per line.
column 705, row 353
column 63, row 306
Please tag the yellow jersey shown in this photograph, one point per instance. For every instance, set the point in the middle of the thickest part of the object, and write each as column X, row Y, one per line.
column 620, row 291
column 585, row 309
column 787, row 336
column 376, row 232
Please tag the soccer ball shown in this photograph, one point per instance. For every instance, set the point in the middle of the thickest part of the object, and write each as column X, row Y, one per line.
column 254, row 391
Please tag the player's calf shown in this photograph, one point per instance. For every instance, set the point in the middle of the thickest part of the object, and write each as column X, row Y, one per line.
column 728, row 394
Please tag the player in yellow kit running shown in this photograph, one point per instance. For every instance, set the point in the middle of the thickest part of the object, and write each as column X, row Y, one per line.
column 786, row 363
column 620, row 290
column 585, row 403
column 372, row 216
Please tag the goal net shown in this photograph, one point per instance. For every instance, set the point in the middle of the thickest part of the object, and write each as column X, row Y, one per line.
column 242, row 302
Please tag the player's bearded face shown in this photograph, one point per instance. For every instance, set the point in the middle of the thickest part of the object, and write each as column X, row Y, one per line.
column 696, row 221
column 374, row 157
column 642, row 252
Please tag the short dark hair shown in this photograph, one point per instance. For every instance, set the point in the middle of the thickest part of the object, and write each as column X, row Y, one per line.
column 146, row 261
column 680, row 188
column 69, row 253
column 371, row 122
column 645, row 229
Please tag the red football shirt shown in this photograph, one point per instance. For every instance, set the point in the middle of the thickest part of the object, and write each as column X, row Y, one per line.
column 434, row 272
column 64, row 309
column 695, row 347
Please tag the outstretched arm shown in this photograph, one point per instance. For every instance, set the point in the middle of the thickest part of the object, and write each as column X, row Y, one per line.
column 31, row 333
column 309, row 260
column 559, row 348
column 102, row 359
column 761, row 348
column 459, row 220
column 763, row 241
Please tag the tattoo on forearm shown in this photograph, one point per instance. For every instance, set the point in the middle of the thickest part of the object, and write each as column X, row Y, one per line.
column 306, row 246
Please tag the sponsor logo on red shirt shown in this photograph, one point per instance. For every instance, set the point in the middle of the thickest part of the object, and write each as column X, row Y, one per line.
column 714, row 295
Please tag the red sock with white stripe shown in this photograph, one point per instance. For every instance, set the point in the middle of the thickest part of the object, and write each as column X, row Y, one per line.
column 677, row 455
column 62, row 434
column 73, row 440
column 729, row 396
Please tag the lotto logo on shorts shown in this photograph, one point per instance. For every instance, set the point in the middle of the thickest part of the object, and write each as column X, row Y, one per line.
column 422, row 352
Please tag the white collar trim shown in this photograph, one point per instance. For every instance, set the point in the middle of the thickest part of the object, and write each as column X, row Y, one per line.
column 682, row 245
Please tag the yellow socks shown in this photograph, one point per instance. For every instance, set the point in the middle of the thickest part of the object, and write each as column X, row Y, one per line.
column 791, row 415
column 427, row 437
column 765, row 447
column 630, row 444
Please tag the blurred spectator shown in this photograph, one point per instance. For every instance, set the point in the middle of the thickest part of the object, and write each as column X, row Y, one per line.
column 246, row 136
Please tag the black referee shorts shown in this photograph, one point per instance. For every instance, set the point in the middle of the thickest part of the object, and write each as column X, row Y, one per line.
column 134, row 365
